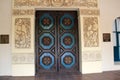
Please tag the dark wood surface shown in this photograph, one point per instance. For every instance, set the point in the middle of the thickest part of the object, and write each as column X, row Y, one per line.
column 56, row 41
column 111, row 75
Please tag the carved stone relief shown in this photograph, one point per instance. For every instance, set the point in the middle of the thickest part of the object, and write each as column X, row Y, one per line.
column 54, row 3
column 23, row 58
column 22, row 33
column 45, row 3
column 18, row 3
column 17, row 12
column 57, row 2
column 23, row 26
column 88, row 3
column 89, row 56
column 89, row 12
column 68, row 2
column 90, row 28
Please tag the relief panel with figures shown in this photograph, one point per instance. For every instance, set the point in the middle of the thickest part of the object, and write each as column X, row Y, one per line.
column 22, row 33
column 90, row 28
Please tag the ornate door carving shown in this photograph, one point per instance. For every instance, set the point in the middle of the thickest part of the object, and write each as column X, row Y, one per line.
column 56, row 41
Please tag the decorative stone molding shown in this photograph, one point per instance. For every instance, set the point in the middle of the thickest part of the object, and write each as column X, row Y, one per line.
column 89, row 12
column 68, row 2
column 23, row 58
column 90, row 29
column 22, row 33
column 17, row 12
column 90, row 56
column 88, row 3
column 19, row 3
column 45, row 3
column 56, row 3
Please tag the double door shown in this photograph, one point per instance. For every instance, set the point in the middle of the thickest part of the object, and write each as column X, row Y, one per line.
column 56, row 41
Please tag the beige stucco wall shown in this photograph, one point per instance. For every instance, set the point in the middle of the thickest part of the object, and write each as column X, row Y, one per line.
column 5, row 28
column 109, row 11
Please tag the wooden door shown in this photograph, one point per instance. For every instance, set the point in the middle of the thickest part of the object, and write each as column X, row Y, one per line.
column 56, row 41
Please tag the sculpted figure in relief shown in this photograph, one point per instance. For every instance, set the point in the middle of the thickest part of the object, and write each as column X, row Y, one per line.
column 91, row 32
column 22, row 33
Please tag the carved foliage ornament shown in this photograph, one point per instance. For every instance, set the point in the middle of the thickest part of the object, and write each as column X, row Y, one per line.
column 88, row 3
column 54, row 3
column 26, row 3
column 23, row 12
column 89, row 12
column 57, row 2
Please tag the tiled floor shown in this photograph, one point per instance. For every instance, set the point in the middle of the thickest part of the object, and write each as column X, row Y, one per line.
column 112, row 75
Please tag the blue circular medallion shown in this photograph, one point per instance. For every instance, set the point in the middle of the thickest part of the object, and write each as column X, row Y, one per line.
column 67, row 40
column 67, row 60
column 46, row 21
column 46, row 40
column 67, row 21
column 47, row 60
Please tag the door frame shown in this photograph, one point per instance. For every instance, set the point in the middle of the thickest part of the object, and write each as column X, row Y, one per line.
column 79, row 32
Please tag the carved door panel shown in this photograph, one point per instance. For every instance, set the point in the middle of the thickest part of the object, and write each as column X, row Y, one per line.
column 68, row 41
column 56, row 41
